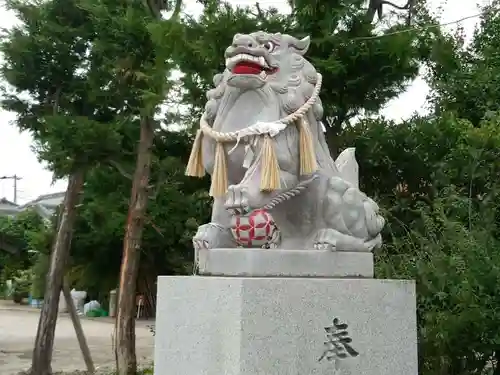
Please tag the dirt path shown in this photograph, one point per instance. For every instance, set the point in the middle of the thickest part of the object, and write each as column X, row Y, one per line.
column 18, row 330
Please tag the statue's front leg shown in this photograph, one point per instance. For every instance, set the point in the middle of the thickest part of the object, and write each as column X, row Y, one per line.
column 217, row 233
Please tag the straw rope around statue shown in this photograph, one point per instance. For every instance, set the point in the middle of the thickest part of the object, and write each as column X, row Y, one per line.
column 270, row 177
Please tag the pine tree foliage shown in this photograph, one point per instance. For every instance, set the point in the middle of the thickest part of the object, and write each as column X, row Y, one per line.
column 465, row 76
column 50, row 81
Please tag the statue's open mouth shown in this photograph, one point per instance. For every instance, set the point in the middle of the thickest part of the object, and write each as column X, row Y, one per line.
column 247, row 64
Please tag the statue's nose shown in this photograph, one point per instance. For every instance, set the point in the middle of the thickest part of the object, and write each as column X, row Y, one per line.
column 244, row 41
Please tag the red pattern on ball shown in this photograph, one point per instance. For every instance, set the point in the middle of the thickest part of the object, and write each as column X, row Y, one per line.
column 255, row 229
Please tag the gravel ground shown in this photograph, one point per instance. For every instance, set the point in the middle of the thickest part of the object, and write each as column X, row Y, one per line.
column 17, row 334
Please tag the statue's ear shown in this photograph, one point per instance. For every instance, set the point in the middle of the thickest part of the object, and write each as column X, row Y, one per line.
column 301, row 46
column 236, row 37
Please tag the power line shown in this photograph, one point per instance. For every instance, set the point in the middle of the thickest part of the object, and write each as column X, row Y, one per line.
column 407, row 30
column 426, row 27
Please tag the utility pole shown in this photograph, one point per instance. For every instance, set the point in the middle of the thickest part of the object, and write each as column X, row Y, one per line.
column 15, row 178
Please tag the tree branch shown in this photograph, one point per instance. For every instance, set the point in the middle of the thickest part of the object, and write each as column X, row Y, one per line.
column 376, row 6
column 260, row 14
column 177, row 10
column 150, row 222
column 158, row 185
column 55, row 103
column 156, row 6
column 120, row 169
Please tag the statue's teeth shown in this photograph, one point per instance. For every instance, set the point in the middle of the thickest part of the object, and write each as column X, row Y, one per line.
column 232, row 61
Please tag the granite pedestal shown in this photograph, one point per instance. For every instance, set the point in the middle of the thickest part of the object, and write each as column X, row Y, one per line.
column 217, row 325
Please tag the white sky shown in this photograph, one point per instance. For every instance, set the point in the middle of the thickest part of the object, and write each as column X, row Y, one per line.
column 16, row 156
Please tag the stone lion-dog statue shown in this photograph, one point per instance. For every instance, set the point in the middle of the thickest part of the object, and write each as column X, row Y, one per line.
column 262, row 141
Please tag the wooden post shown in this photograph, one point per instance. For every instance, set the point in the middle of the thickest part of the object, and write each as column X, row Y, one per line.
column 44, row 342
column 78, row 329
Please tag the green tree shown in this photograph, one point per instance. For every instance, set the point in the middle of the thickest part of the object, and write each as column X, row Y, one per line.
column 106, row 64
column 465, row 77
column 134, row 46
column 456, row 268
column 47, row 57
column 22, row 234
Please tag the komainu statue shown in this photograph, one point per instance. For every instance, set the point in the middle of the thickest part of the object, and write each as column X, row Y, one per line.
column 261, row 139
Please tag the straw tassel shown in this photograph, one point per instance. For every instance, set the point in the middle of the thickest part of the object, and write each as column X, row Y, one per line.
column 308, row 163
column 195, row 164
column 270, row 170
column 219, row 175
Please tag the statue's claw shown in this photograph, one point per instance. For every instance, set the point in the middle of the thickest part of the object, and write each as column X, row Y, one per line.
column 211, row 236
column 325, row 240
column 200, row 244
column 237, row 199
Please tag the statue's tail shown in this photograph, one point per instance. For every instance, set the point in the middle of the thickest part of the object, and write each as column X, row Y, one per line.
column 349, row 171
column 348, row 166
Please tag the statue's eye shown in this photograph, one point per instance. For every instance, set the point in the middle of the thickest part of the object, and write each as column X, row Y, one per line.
column 270, row 46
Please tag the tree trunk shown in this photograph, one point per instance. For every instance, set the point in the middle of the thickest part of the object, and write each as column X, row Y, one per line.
column 44, row 342
column 126, row 361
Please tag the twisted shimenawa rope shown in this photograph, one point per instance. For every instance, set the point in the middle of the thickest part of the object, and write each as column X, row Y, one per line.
column 235, row 136
column 286, row 195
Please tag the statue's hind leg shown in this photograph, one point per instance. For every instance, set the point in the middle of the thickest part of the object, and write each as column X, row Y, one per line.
column 215, row 234
column 333, row 240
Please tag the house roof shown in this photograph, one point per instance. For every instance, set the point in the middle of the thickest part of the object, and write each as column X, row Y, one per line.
column 45, row 205
column 48, row 200
column 7, row 202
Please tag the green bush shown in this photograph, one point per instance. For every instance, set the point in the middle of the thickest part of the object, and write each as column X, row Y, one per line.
column 40, row 270
column 456, row 265
column 21, row 286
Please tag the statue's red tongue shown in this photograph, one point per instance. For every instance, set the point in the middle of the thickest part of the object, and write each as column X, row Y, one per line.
column 247, row 67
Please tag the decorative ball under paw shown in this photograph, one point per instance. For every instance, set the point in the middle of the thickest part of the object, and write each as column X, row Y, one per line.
column 255, row 229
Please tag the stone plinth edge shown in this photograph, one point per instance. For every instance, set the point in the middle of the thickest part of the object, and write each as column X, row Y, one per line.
column 284, row 263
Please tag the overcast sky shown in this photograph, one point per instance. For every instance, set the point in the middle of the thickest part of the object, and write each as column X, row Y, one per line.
column 16, row 156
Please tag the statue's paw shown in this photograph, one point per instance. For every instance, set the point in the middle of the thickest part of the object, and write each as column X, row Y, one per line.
column 211, row 236
column 326, row 239
column 236, row 201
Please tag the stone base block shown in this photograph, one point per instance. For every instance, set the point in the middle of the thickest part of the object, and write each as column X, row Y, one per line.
column 285, row 326
column 284, row 263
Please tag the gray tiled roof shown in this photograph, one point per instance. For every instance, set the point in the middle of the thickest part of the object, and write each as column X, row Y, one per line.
column 45, row 205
